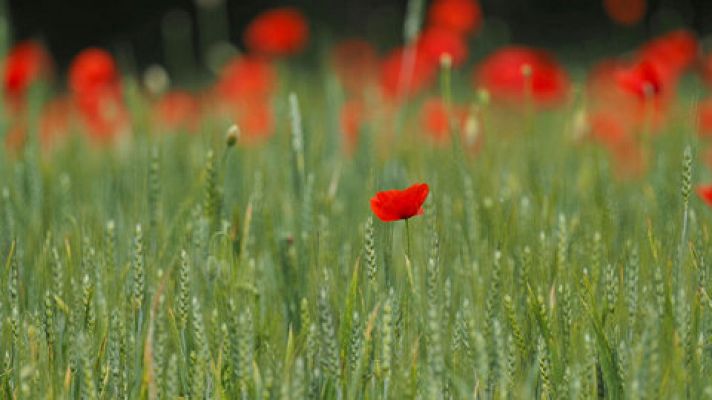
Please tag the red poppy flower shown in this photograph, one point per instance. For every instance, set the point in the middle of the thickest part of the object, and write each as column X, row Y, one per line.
column 355, row 62
column 705, row 69
column 614, row 132
column 640, row 79
column 435, row 119
column 54, row 122
column 93, row 70
column 393, row 205
column 105, row 119
column 625, row 12
column 608, row 128
column 16, row 136
column 636, row 92
column 671, row 54
column 26, row 63
column 460, row 16
column 707, row 156
column 435, row 42
column 246, row 77
column 177, row 110
column 53, row 125
column 395, row 85
column 629, row 159
column 255, row 119
column 277, row 32
column 515, row 74
column 244, row 90
column 705, row 193
column 96, row 90
column 704, row 118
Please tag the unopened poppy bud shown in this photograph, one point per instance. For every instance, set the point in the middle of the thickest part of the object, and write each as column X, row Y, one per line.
column 580, row 125
column 472, row 128
column 446, row 60
column 156, row 80
column 233, row 133
column 526, row 70
column 483, row 96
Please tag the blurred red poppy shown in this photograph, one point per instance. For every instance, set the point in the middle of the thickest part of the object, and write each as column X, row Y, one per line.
column 399, row 79
column 615, row 133
column 706, row 156
column 517, row 73
column 625, row 12
column 355, row 63
column 436, row 119
column 351, row 119
column 177, row 110
column 641, row 79
column 460, row 16
column 704, row 118
column 106, row 120
column 705, row 193
column 96, row 90
column 634, row 92
column 16, row 136
column 277, row 32
column 435, row 42
column 705, row 69
column 671, row 54
column 246, row 77
column 629, row 160
column 54, row 123
column 92, row 71
column 244, row 90
column 26, row 63
column 608, row 128
column 255, row 119
column 394, row 205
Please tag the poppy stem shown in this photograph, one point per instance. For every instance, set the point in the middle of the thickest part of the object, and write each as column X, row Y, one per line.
column 407, row 235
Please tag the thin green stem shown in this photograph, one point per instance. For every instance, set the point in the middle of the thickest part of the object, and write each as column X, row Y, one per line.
column 407, row 235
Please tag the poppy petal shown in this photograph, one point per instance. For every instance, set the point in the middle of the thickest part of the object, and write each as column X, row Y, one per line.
column 392, row 205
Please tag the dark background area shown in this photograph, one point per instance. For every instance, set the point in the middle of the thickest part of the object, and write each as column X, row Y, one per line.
column 134, row 27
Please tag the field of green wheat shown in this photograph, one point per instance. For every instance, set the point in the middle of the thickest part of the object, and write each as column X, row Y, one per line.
column 247, row 239
column 200, row 267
